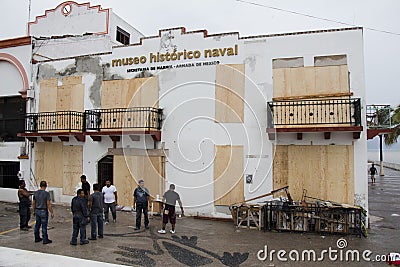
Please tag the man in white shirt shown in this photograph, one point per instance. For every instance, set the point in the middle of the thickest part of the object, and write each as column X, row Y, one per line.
column 110, row 200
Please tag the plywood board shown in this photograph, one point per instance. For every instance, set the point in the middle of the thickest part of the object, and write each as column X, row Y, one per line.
column 228, row 175
column 48, row 95
column 326, row 172
column 130, row 169
column 280, row 168
column 72, row 168
column 113, row 94
column 71, row 80
column 49, row 163
column 310, row 81
column 229, row 93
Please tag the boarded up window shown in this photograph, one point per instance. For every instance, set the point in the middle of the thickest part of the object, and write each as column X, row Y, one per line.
column 310, row 81
column 60, row 166
column 228, row 175
column 326, row 172
column 128, row 170
column 293, row 62
column 229, row 93
column 333, row 60
column 67, row 97
column 139, row 92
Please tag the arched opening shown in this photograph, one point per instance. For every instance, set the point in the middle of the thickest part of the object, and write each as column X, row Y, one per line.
column 105, row 170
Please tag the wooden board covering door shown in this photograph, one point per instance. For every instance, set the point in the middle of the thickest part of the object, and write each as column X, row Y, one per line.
column 128, row 170
column 228, row 175
column 325, row 171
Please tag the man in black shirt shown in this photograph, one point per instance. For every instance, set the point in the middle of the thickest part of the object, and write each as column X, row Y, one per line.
column 85, row 186
column 80, row 219
column 141, row 202
column 373, row 172
column 24, row 206
column 96, row 205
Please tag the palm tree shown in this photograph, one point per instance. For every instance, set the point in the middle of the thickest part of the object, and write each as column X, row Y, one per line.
column 392, row 137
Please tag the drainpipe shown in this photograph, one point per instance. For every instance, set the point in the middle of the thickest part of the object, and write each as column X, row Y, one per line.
column 381, row 173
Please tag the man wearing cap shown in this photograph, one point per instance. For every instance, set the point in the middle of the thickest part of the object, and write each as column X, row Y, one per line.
column 141, row 202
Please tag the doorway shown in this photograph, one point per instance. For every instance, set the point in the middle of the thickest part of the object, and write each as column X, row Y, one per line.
column 105, row 170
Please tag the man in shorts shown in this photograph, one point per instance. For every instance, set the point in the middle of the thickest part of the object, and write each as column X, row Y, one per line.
column 170, row 197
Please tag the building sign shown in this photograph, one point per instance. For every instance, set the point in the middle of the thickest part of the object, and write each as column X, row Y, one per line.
column 172, row 57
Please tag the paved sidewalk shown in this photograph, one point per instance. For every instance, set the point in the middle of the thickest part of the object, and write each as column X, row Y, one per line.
column 199, row 242
column 10, row 257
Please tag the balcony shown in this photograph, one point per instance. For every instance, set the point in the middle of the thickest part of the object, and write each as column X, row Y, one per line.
column 127, row 121
column 94, row 123
column 328, row 115
column 379, row 120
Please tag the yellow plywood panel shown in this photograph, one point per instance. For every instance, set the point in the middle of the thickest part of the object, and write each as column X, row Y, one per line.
column 64, row 98
column 72, row 168
column 49, row 163
column 48, row 95
column 280, row 168
column 326, row 172
column 123, row 179
column 71, row 80
column 149, row 92
column 229, row 93
column 77, row 97
column 39, row 161
column 310, row 81
column 53, row 161
column 130, row 169
column 113, row 94
column 228, row 175
column 133, row 95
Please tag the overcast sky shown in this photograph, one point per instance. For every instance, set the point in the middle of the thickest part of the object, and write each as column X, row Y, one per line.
column 382, row 50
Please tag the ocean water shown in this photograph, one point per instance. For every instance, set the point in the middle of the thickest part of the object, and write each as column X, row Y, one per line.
column 392, row 156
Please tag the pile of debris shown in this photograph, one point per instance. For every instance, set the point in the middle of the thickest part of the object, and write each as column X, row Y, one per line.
column 308, row 215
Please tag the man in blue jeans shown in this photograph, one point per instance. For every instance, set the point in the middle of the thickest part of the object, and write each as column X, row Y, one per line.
column 96, row 205
column 41, row 206
column 80, row 219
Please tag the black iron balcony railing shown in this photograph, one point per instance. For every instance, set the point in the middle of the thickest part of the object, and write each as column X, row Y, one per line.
column 305, row 113
column 145, row 118
column 69, row 121
column 123, row 118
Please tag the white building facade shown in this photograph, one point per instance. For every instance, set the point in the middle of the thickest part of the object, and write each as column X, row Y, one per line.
column 225, row 118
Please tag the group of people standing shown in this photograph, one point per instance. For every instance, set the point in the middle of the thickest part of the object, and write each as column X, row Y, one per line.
column 89, row 208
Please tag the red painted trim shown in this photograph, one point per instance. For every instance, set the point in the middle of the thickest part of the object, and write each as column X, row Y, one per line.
column 371, row 133
column 20, row 41
column 316, row 129
column 98, row 7
column 14, row 61
column 206, row 35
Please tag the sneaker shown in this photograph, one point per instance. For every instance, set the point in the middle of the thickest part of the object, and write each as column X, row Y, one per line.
column 172, row 231
column 48, row 241
column 38, row 240
column 29, row 227
column 162, row 231
column 106, row 222
column 24, row 229
column 84, row 242
column 136, row 228
column 100, row 236
column 92, row 238
column 72, row 243
column 114, row 221
column 147, row 227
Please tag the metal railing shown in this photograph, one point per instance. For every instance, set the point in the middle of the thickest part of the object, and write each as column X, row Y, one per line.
column 123, row 118
column 379, row 116
column 69, row 121
column 344, row 112
column 146, row 118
